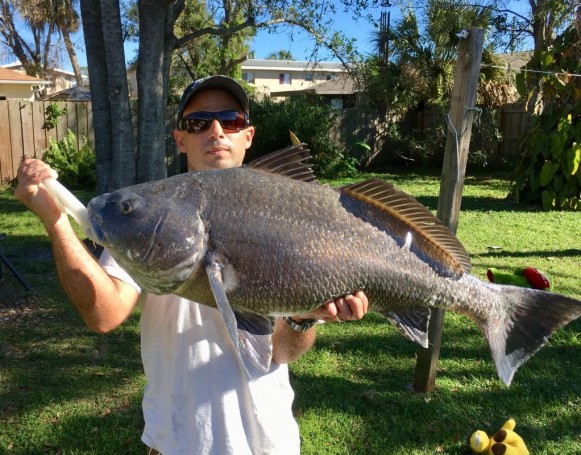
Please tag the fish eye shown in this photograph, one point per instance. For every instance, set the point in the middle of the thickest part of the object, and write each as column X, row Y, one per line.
column 126, row 206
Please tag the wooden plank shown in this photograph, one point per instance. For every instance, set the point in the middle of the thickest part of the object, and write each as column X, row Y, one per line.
column 452, row 183
column 91, row 131
column 27, row 129
column 6, row 173
column 40, row 139
column 82, row 122
column 15, row 133
column 72, row 120
column 50, row 133
column 62, row 125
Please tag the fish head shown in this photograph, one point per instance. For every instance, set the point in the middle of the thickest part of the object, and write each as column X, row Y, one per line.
column 153, row 230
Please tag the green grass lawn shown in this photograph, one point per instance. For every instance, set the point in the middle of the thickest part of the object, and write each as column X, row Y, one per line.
column 66, row 390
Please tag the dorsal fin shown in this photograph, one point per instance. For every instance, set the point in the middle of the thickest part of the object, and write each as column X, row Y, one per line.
column 404, row 215
column 289, row 161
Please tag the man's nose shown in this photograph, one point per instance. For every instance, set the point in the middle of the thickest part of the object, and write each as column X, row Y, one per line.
column 215, row 129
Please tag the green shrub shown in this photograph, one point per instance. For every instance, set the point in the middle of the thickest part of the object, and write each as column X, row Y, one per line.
column 76, row 166
column 52, row 115
column 486, row 136
column 549, row 171
column 312, row 122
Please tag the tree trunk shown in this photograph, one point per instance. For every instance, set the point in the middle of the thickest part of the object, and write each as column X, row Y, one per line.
column 123, row 136
column 114, row 136
column 95, row 47
column 72, row 56
column 156, row 45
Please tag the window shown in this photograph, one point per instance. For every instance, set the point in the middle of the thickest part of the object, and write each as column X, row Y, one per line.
column 330, row 77
column 337, row 103
column 248, row 77
column 284, row 79
column 308, row 77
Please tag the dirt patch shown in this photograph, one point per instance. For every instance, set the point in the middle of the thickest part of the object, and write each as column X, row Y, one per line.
column 19, row 307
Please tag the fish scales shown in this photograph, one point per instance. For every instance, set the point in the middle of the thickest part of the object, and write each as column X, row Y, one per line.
column 257, row 244
column 295, row 244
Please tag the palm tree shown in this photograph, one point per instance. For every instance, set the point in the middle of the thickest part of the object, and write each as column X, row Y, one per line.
column 44, row 18
column 280, row 55
column 65, row 17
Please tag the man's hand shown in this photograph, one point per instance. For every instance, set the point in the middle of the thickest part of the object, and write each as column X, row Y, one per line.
column 351, row 307
column 30, row 174
column 288, row 344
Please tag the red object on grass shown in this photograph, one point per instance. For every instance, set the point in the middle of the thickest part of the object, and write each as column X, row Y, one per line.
column 536, row 278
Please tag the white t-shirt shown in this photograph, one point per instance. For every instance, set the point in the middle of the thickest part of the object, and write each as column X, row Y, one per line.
column 197, row 399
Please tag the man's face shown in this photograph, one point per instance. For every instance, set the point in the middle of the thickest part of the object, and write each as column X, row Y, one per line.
column 214, row 148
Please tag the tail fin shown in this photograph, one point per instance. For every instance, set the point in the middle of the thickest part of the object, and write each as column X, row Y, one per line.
column 532, row 316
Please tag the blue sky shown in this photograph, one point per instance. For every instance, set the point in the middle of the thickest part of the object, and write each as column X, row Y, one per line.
column 300, row 44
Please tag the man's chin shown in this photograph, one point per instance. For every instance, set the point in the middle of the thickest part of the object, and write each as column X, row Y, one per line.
column 221, row 162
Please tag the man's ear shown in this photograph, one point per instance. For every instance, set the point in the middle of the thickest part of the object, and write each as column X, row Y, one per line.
column 249, row 131
column 179, row 138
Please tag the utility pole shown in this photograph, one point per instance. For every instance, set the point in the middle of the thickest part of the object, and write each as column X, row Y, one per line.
column 459, row 122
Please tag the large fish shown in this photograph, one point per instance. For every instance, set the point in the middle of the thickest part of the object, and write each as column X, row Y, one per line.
column 265, row 240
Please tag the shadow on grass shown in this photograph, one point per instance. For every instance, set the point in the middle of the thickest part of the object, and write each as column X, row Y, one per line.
column 480, row 204
column 571, row 252
column 83, row 387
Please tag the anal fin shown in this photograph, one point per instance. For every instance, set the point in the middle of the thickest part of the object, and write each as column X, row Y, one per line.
column 412, row 324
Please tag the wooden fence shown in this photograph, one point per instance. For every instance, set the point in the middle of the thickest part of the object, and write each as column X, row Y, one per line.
column 23, row 130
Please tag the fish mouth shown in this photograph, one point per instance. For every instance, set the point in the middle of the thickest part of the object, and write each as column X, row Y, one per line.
column 98, row 235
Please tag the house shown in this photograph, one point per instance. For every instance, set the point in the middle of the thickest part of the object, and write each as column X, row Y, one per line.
column 340, row 92
column 59, row 79
column 17, row 85
column 270, row 76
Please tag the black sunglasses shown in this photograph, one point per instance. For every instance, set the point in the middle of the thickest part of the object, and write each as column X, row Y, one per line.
column 196, row 122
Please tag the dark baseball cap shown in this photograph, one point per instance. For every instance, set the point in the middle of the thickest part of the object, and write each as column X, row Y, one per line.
column 214, row 82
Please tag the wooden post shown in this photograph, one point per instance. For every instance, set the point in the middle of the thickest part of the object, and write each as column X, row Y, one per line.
column 459, row 123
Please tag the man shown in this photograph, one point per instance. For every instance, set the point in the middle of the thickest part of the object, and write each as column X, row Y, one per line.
column 197, row 399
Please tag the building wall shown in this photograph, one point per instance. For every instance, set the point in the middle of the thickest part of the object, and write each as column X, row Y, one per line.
column 22, row 91
column 270, row 76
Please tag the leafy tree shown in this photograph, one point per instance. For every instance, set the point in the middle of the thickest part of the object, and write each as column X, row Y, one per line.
column 200, row 56
column 549, row 172
column 34, row 55
column 423, row 55
column 44, row 18
column 543, row 20
column 119, row 161
column 66, row 18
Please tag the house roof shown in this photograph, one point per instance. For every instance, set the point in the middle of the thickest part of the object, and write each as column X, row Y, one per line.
column 70, row 94
column 516, row 59
column 14, row 77
column 292, row 65
column 341, row 85
column 18, row 66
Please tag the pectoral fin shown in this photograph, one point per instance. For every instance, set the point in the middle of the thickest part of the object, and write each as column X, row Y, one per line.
column 255, row 338
column 250, row 333
column 214, row 271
